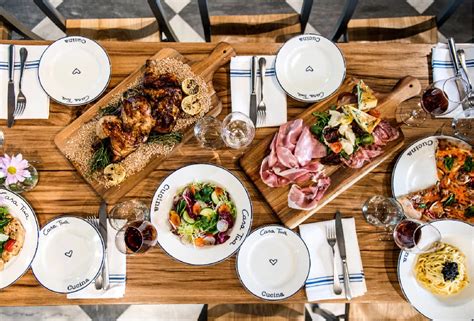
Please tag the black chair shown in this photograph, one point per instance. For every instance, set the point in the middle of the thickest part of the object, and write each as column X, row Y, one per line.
column 9, row 23
column 154, row 29
column 416, row 29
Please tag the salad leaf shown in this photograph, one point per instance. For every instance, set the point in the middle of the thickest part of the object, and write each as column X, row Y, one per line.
column 322, row 120
column 344, row 154
column 448, row 162
column 366, row 139
column 3, row 211
column 181, row 206
column 204, row 194
column 468, row 164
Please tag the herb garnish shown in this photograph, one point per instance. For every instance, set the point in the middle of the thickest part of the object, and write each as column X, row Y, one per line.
column 448, row 162
column 166, row 139
column 468, row 164
column 101, row 157
column 450, row 200
column 469, row 212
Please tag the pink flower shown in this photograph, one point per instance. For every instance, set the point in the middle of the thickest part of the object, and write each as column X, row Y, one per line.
column 14, row 168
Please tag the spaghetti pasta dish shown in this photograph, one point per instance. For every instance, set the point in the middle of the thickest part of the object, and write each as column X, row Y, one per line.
column 442, row 272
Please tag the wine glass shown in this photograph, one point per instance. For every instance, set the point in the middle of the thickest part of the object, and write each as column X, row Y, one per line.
column 438, row 99
column 128, row 211
column 238, row 130
column 383, row 212
column 415, row 236
column 136, row 237
column 463, row 125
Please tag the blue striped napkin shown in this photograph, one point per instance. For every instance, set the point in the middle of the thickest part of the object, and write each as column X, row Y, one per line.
column 443, row 67
column 274, row 96
column 117, row 273
column 319, row 285
column 37, row 101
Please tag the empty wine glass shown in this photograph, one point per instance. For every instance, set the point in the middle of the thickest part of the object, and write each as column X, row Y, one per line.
column 128, row 211
column 439, row 98
column 463, row 125
column 415, row 236
column 207, row 131
column 238, row 130
column 383, row 212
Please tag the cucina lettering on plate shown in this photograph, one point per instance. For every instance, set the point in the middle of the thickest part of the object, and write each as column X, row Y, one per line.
column 419, row 146
column 70, row 40
column 272, row 294
column 78, row 285
column 160, row 195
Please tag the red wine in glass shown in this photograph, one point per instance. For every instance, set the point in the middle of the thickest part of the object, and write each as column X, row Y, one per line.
column 434, row 101
column 404, row 234
column 136, row 237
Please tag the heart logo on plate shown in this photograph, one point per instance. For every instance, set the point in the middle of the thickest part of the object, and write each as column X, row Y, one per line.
column 68, row 253
column 273, row 261
column 309, row 68
column 76, row 71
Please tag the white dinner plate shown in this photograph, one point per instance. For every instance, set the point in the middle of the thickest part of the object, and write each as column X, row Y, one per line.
column 70, row 255
column 163, row 201
column 310, row 67
column 74, row 70
column 273, row 263
column 415, row 168
column 457, row 307
column 20, row 209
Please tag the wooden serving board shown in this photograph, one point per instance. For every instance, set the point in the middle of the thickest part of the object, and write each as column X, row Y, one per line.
column 204, row 68
column 342, row 177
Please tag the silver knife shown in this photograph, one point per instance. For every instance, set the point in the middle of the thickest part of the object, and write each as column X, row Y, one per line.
column 342, row 251
column 253, row 93
column 103, row 232
column 457, row 70
column 11, row 85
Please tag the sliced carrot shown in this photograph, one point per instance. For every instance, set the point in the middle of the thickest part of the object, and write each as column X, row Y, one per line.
column 199, row 241
column 196, row 208
column 175, row 220
column 219, row 191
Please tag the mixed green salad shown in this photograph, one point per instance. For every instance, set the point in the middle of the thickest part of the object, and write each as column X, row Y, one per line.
column 202, row 214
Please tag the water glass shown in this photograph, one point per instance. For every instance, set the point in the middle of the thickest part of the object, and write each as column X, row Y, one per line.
column 136, row 237
column 128, row 211
column 238, row 130
column 207, row 131
column 415, row 236
column 382, row 211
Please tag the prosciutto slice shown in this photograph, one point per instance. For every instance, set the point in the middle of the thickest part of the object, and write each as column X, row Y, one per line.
column 362, row 155
column 308, row 148
column 307, row 198
column 384, row 133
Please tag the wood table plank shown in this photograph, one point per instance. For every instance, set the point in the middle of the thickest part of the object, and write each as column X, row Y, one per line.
column 155, row 277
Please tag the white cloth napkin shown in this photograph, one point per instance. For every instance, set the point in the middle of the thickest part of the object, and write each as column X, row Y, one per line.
column 273, row 94
column 319, row 285
column 443, row 67
column 117, row 271
column 37, row 101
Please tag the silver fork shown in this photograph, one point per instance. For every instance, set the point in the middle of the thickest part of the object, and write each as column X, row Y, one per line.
column 331, row 238
column 98, row 281
column 262, row 108
column 21, row 99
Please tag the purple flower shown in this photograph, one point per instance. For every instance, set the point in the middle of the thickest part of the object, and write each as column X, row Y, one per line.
column 15, row 169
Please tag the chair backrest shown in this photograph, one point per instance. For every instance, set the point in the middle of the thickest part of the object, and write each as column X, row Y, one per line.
column 415, row 29
column 272, row 26
column 9, row 23
column 60, row 21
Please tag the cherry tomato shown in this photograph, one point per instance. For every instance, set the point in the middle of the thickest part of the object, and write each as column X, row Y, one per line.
column 9, row 245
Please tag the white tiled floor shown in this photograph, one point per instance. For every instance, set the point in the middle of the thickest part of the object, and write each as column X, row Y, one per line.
column 56, row 313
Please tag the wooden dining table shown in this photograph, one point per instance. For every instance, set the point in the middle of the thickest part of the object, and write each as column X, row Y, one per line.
column 155, row 277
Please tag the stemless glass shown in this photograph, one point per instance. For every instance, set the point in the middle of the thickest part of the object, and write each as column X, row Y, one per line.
column 383, row 212
column 207, row 131
column 439, row 98
column 415, row 236
column 238, row 130
column 463, row 125
column 136, row 237
column 128, row 211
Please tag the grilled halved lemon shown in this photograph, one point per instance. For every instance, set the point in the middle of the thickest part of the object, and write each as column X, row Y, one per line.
column 115, row 173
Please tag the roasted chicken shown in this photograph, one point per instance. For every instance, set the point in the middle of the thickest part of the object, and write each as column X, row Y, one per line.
column 156, row 110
